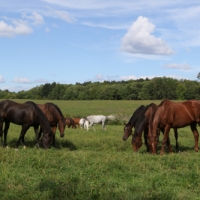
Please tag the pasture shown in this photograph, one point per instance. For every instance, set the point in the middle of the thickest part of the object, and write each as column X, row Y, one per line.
column 98, row 164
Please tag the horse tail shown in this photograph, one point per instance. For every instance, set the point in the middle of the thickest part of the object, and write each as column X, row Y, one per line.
column 110, row 117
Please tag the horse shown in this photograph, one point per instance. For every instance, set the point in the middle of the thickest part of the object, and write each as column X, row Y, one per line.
column 81, row 122
column 55, row 118
column 140, row 121
column 86, row 125
column 174, row 115
column 70, row 122
column 26, row 115
column 76, row 121
column 96, row 119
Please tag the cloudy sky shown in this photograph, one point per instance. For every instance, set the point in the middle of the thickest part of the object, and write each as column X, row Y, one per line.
column 69, row 41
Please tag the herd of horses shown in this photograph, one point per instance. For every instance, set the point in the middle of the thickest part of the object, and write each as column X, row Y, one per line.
column 151, row 119
column 44, row 118
column 147, row 120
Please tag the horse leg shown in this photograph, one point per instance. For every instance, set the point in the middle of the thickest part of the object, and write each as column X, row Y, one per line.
column 92, row 124
column 39, row 133
column 165, row 139
column 1, row 130
column 7, row 125
column 36, row 129
column 196, row 135
column 168, row 145
column 54, row 133
column 21, row 137
column 176, row 137
column 145, row 139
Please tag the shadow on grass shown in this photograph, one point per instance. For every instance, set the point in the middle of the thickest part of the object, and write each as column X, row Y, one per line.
column 32, row 144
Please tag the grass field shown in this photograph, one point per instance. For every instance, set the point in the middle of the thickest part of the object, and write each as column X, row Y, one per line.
column 98, row 165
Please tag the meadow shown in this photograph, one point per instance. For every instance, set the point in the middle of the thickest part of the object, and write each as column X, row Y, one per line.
column 98, row 164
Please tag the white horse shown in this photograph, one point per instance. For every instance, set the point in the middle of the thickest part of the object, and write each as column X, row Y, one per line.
column 96, row 119
column 84, row 124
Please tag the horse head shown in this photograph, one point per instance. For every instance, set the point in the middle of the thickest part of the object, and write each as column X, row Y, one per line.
column 127, row 131
column 61, row 126
column 136, row 142
column 47, row 140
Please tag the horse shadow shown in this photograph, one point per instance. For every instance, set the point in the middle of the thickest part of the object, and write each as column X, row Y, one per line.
column 32, row 144
column 66, row 144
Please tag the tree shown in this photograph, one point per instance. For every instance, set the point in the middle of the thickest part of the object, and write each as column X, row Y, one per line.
column 198, row 75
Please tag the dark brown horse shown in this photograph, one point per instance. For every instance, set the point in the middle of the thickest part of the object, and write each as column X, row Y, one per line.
column 140, row 121
column 70, row 122
column 55, row 118
column 26, row 115
column 174, row 115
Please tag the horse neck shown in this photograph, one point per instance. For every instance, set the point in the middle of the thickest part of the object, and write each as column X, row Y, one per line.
column 44, row 123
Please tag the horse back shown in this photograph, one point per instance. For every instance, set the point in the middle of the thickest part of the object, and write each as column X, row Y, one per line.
column 177, row 114
column 17, row 113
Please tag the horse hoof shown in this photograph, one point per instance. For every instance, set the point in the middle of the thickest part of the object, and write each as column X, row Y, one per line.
column 16, row 149
column 24, row 147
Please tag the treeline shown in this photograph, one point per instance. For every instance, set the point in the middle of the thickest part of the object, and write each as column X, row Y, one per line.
column 141, row 89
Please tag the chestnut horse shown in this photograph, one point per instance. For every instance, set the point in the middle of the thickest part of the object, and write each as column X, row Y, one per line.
column 140, row 121
column 55, row 118
column 70, row 122
column 26, row 115
column 174, row 115
column 81, row 122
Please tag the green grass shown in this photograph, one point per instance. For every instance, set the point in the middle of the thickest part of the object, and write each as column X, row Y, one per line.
column 98, row 164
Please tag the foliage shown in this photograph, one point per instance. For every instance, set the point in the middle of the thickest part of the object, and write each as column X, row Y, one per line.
column 157, row 88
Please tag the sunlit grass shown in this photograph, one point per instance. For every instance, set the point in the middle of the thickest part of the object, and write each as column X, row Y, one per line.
column 98, row 165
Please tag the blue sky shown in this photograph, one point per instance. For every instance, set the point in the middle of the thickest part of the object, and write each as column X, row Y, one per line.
column 69, row 41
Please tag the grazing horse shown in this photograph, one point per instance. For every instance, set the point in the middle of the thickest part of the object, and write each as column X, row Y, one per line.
column 55, row 118
column 174, row 115
column 140, row 121
column 26, row 115
column 70, row 122
column 96, row 119
column 81, row 122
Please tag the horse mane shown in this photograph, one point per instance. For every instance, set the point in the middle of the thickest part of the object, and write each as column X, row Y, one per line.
column 56, row 107
column 39, row 113
column 135, row 115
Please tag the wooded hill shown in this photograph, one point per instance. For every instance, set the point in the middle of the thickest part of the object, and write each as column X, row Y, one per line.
column 141, row 89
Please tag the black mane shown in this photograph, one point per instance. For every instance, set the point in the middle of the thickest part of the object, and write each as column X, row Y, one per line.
column 135, row 115
column 56, row 107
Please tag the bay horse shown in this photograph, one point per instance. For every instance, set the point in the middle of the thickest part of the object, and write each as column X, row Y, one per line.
column 140, row 121
column 96, row 119
column 26, row 115
column 174, row 115
column 55, row 118
column 70, row 122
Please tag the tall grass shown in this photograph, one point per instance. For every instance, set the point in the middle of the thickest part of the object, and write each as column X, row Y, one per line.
column 98, row 165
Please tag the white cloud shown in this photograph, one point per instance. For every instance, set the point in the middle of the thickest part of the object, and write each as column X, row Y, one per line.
column 35, row 18
column 2, row 80
column 21, row 80
column 99, row 77
column 18, row 27
column 139, row 39
column 61, row 15
column 178, row 66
